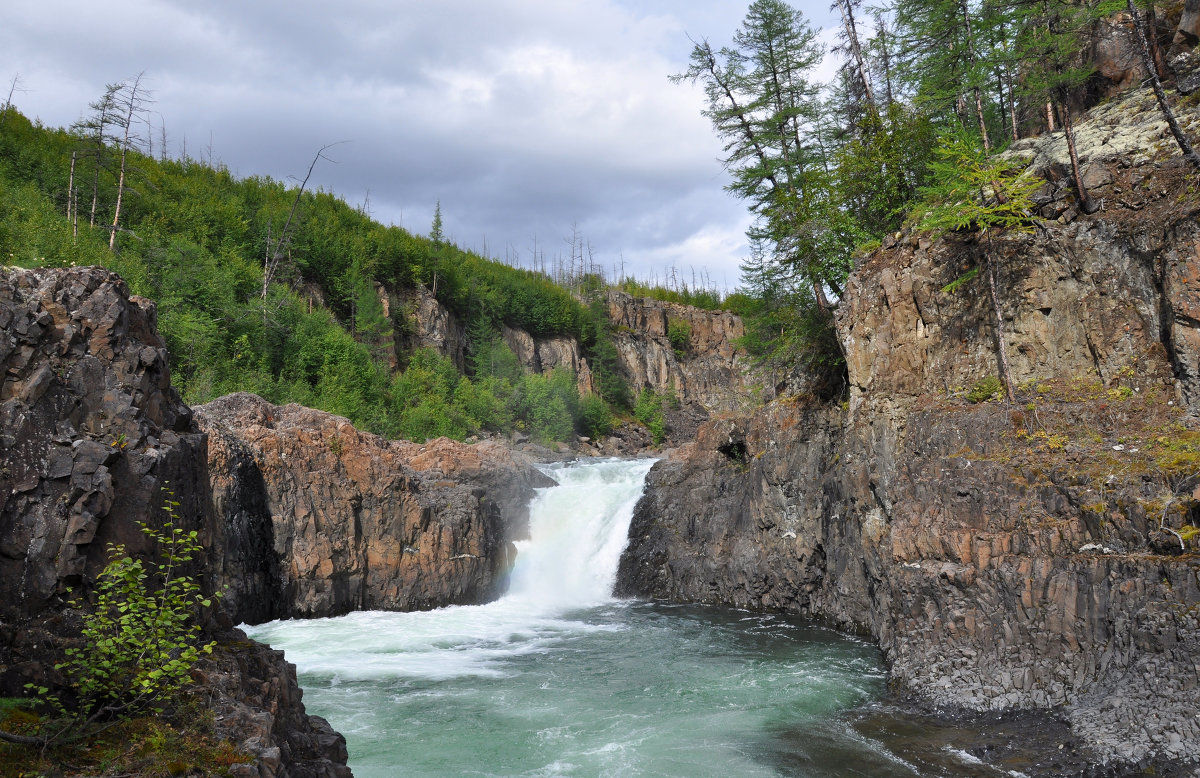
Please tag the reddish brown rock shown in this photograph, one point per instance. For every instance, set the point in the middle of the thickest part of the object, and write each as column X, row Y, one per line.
column 358, row 522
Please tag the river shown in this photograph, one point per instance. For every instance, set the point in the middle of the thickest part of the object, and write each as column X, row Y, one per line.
column 557, row 678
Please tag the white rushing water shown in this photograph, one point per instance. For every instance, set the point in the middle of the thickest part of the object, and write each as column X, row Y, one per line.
column 558, row 678
column 577, row 532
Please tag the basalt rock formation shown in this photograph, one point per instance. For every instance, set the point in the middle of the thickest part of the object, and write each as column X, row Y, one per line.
column 93, row 439
column 704, row 367
column 319, row 519
column 1004, row 557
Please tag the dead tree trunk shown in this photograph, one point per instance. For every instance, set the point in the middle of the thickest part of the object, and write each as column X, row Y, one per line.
column 1086, row 203
column 132, row 105
column 1001, row 351
column 1168, row 113
column 72, row 203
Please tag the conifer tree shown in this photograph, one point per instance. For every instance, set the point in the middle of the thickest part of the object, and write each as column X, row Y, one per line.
column 763, row 104
column 972, row 191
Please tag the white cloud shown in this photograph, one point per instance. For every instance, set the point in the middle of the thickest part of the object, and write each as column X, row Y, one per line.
column 521, row 116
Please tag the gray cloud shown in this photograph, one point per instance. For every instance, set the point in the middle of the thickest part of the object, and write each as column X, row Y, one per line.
column 522, row 116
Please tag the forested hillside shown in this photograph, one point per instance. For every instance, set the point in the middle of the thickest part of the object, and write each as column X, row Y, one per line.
column 298, row 296
column 280, row 290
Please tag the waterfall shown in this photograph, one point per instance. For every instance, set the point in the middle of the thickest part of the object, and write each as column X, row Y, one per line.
column 577, row 531
column 559, row 678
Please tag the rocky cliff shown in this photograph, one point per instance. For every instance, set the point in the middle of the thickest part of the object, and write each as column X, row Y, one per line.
column 300, row 514
column 319, row 519
column 94, row 439
column 1004, row 557
column 691, row 352
column 702, row 367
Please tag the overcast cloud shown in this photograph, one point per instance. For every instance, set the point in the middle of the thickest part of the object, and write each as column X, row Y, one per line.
column 522, row 117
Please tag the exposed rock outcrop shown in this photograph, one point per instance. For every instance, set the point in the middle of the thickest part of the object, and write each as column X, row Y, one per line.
column 545, row 354
column 427, row 324
column 1004, row 557
column 256, row 700
column 346, row 520
column 705, row 367
column 89, row 429
column 92, row 434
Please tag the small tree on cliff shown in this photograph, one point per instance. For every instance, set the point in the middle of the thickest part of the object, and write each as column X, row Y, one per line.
column 1144, row 37
column 980, row 194
column 140, row 640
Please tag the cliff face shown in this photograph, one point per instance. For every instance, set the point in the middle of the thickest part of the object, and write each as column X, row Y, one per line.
column 546, row 354
column 708, row 370
column 89, row 428
column 1003, row 556
column 705, row 370
column 92, row 434
column 320, row 519
column 429, row 325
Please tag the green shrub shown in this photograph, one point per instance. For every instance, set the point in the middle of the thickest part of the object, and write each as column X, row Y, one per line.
column 985, row 389
column 140, row 640
column 595, row 418
column 649, row 411
column 679, row 332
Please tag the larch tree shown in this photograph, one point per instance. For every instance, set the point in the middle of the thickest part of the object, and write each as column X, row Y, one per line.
column 762, row 103
column 1048, row 47
column 95, row 132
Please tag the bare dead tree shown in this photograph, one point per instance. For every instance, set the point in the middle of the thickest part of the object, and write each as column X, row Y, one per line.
column 73, row 201
column 1168, row 113
column 132, row 98
column 14, row 86
column 94, row 131
column 846, row 8
column 279, row 249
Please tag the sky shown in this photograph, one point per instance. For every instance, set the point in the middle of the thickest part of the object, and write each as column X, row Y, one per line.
column 525, row 119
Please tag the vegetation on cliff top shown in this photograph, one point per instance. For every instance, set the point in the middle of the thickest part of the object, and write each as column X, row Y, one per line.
column 278, row 290
column 829, row 173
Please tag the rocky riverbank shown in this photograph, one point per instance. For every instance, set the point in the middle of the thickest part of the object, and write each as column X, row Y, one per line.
column 1005, row 557
column 299, row 513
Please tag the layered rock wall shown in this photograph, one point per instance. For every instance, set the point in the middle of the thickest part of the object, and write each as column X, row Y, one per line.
column 94, row 440
column 1003, row 556
column 706, row 368
column 707, row 371
column 343, row 520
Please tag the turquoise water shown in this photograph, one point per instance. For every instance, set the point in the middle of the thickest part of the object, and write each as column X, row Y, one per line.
column 557, row 678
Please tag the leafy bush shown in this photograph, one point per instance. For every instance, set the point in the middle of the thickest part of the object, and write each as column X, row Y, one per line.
column 679, row 333
column 595, row 418
column 140, row 639
column 649, row 411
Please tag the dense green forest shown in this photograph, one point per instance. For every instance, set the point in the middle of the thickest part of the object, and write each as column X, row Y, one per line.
column 272, row 288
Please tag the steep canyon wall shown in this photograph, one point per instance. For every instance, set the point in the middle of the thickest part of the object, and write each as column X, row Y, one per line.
column 1003, row 556
column 299, row 513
